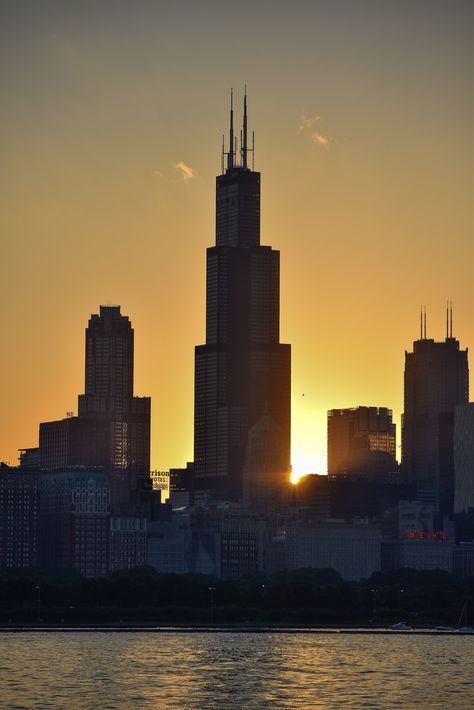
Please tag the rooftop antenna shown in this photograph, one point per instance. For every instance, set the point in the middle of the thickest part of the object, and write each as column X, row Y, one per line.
column 447, row 320
column 451, row 319
column 244, row 144
column 253, row 150
column 222, row 155
column 425, row 323
column 230, row 154
column 421, row 322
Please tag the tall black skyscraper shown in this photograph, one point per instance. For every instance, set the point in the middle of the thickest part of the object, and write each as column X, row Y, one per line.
column 243, row 371
column 112, row 429
column 436, row 380
column 109, row 389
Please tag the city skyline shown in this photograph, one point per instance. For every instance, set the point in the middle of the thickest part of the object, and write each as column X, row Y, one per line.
column 98, row 204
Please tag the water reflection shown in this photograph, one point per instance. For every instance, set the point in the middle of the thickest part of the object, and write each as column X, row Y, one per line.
column 144, row 670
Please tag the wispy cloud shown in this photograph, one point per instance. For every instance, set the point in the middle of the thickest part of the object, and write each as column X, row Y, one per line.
column 158, row 173
column 307, row 122
column 307, row 125
column 185, row 172
column 323, row 141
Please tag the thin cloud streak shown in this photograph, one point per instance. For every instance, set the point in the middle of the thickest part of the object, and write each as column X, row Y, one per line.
column 185, row 172
column 323, row 141
column 307, row 122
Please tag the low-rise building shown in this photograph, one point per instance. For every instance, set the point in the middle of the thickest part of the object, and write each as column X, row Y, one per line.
column 419, row 550
column 128, row 542
column 168, row 547
column 350, row 549
column 74, row 521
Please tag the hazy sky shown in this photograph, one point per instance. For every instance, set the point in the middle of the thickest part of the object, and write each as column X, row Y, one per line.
column 363, row 115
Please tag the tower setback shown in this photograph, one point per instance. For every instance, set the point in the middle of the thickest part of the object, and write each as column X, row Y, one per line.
column 112, row 429
column 242, row 372
column 436, row 381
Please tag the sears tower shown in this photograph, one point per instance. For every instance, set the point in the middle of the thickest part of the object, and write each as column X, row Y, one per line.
column 243, row 372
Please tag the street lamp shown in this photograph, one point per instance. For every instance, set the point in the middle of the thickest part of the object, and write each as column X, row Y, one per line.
column 374, row 596
column 38, row 589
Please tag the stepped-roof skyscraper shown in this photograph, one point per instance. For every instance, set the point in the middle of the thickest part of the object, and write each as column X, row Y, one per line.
column 112, row 429
column 243, row 371
column 436, row 380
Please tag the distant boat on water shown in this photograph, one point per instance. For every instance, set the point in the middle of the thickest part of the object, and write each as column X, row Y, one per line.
column 401, row 626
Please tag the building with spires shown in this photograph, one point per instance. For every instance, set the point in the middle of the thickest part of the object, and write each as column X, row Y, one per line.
column 243, row 371
column 112, row 429
column 436, row 381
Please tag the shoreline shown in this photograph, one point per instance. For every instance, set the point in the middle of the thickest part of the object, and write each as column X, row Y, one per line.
column 240, row 629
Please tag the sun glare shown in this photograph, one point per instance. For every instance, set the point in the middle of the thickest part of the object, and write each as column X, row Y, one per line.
column 304, row 462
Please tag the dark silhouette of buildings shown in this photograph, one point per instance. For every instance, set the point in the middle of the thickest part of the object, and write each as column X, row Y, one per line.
column 266, row 483
column 19, row 497
column 78, row 529
column 29, row 458
column 243, row 371
column 436, row 380
column 349, row 497
column 112, row 429
column 361, row 441
column 463, row 458
column 74, row 521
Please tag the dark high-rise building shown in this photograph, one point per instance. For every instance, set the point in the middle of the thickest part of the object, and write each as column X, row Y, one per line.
column 243, row 371
column 361, row 441
column 436, row 380
column 112, row 429
column 109, row 390
column 463, row 458
column 19, row 496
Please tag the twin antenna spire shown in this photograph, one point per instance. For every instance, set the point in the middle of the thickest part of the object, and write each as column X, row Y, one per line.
column 423, row 323
column 244, row 149
column 449, row 321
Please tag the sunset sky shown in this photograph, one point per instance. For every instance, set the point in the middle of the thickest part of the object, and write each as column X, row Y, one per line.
column 111, row 123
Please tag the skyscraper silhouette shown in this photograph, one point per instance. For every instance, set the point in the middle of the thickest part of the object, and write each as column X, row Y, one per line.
column 112, row 429
column 243, row 371
column 109, row 389
column 436, row 380
column 361, row 440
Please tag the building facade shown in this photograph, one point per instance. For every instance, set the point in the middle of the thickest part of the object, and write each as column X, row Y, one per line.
column 436, row 381
column 128, row 543
column 74, row 522
column 463, row 457
column 361, row 441
column 112, row 429
column 19, row 500
column 351, row 550
column 243, row 371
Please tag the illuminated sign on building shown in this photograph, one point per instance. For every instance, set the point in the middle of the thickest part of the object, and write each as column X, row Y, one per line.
column 161, row 482
column 425, row 535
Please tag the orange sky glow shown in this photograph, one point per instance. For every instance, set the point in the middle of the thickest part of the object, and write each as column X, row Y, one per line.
column 111, row 132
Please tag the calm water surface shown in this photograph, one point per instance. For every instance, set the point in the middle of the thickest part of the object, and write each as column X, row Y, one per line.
column 146, row 670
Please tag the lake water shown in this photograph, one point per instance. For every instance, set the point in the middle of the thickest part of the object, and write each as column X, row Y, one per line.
column 230, row 670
